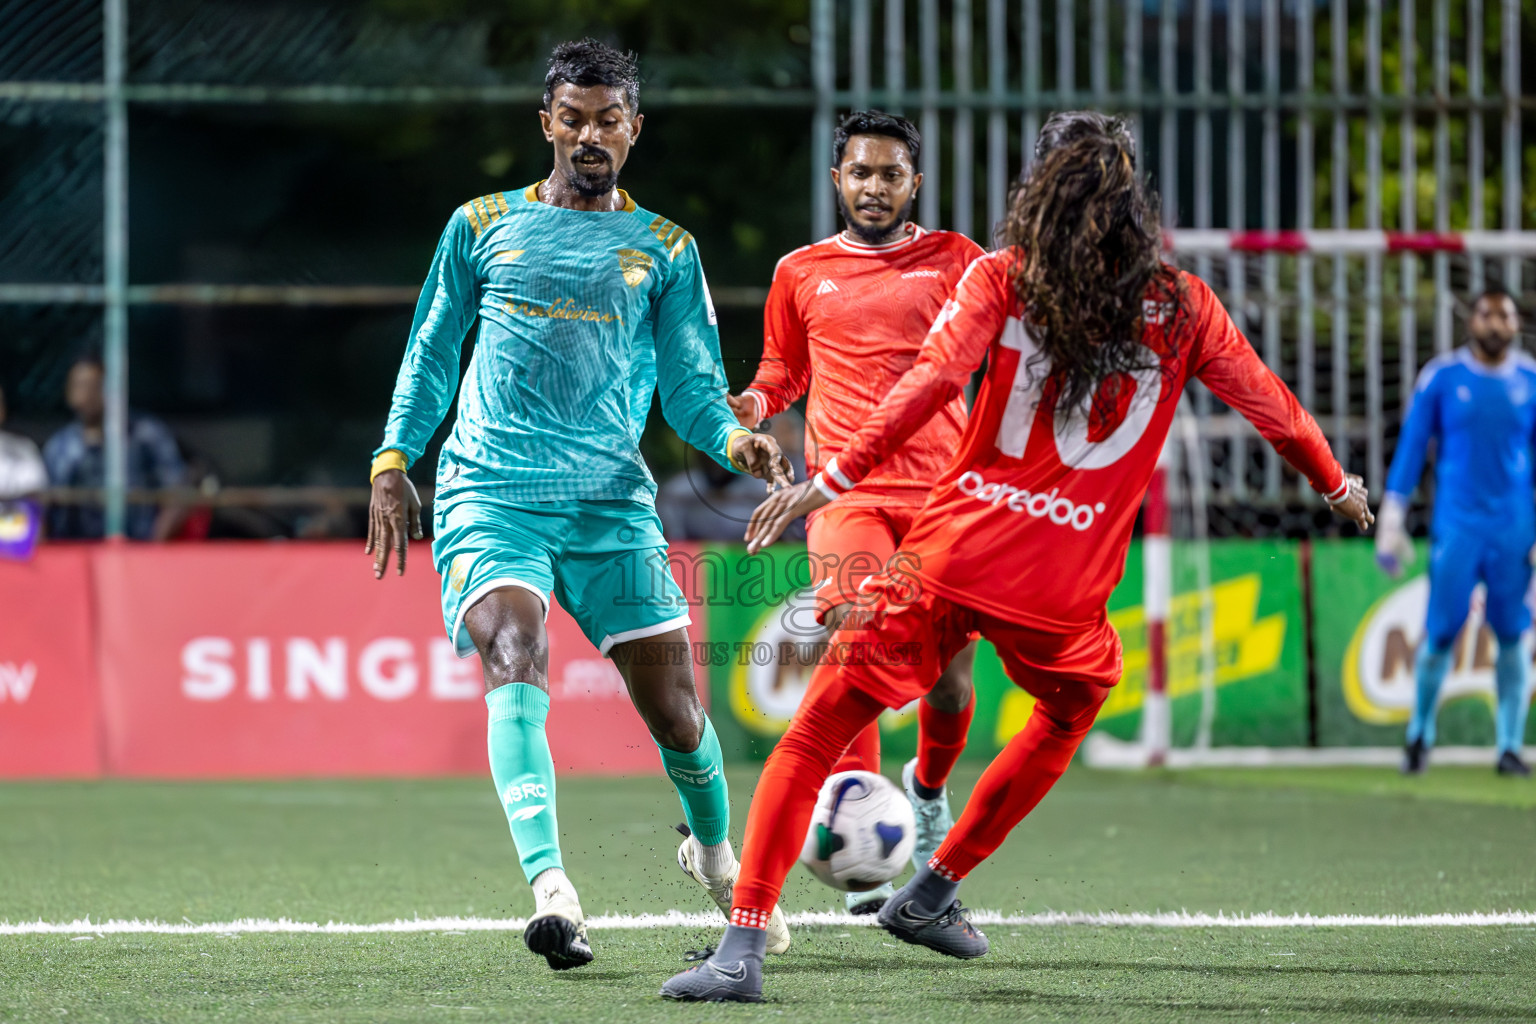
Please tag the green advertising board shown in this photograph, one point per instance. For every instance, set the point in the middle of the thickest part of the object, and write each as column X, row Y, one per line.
column 1250, row 656
column 1366, row 634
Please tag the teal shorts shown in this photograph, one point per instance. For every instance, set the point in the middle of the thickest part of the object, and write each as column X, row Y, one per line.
column 604, row 561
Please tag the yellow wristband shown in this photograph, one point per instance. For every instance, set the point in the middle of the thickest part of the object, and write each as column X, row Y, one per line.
column 389, row 458
column 730, row 444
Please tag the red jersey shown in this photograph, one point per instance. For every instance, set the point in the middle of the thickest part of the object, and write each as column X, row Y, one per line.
column 1032, row 520
column 847, row 320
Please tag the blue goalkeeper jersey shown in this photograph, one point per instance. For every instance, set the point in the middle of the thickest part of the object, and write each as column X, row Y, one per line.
column 581, row 314
column 1483, row 419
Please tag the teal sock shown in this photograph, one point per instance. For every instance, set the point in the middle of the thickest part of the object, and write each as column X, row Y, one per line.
column 525, row 773
column 1510, row 678
column 1429, row 671
column 699, row 777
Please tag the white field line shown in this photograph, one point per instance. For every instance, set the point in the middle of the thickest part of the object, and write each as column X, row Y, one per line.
column 679, row 919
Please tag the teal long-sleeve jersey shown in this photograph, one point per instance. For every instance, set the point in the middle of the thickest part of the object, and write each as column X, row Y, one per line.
column 581, row 315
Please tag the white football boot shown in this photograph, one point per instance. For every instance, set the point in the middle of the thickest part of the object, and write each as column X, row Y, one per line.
column 557, row 931
column 722, row 890
column 933, row 818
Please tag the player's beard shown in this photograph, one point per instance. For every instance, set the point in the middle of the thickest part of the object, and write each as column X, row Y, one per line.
column 594, row 183
column 1493, row 345
column 875, row 236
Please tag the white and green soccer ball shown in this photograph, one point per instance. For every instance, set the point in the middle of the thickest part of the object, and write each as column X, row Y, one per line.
column 861, row 833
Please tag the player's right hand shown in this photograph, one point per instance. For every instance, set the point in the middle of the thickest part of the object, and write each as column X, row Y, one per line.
column 1355, row 505
column 745, row 407
column 1394, row 550
column 393, row 511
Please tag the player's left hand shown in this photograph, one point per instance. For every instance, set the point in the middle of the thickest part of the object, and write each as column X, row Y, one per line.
column 772, row 517
column 1355, row 505
column 759, row 454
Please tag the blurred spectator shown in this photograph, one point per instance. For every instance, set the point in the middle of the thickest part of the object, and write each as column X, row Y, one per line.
column 22, row 476
column 709, row 502
column 76, row 457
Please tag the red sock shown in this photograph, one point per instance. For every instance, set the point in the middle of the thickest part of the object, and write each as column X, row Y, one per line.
column 830, row 716
column 940, row 739
column 1016, row 780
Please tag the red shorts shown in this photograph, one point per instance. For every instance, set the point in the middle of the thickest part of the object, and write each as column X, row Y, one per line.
column 848, row 545
column 895, row 648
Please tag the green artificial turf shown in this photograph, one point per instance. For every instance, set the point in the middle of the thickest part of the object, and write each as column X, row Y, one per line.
column 1321, row 841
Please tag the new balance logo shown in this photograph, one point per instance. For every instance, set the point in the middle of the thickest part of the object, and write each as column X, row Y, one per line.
column 825, row 287
column 524, row 813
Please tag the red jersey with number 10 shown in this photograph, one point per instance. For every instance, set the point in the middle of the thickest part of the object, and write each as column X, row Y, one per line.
column 847, row 320
column 1032, row 520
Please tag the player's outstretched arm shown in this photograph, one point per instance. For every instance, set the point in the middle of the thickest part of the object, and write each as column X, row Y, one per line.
column 965, row 327
column 394, row 514
column 1229, row 366
column 969, row 321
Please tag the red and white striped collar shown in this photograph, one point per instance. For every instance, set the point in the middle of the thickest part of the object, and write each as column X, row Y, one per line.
column 912, row 234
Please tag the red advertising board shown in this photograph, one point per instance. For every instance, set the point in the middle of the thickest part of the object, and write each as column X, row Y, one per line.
column 50, row 722
column 262, row 660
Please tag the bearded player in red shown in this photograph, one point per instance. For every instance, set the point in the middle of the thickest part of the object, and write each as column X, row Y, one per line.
column 845, row 318
column 1091, row 339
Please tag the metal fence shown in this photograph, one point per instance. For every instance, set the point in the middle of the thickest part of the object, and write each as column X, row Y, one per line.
column 1255, row 117
column 1265, row 118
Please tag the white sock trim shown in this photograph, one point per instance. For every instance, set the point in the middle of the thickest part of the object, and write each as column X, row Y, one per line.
column 548, row 884
column 717, row 862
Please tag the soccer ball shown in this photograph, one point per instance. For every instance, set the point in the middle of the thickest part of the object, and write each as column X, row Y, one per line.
column 861, row 832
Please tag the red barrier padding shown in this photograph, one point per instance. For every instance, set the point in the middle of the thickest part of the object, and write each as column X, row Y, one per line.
column 49, row 714
column 259, row 660
column 1425, row 241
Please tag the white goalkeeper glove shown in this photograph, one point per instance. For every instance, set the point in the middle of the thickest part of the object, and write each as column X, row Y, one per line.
column 1394, row 551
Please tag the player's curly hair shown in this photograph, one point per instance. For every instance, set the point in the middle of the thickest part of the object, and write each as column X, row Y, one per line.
column 1086, row 229
column 875, row 122
column 589, row 62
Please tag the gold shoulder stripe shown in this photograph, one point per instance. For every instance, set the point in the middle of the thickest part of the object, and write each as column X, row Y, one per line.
column 485, row 211
column 671, row 236
column 473, row 218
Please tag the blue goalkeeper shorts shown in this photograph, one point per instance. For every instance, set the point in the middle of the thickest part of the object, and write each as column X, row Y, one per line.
column 1458, row 561
column 604, row 561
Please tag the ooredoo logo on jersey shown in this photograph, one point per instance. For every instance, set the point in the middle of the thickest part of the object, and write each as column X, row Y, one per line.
column 1046, row 505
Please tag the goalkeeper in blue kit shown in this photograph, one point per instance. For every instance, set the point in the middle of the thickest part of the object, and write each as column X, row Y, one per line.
column 1478, row 403
column 588, row 306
